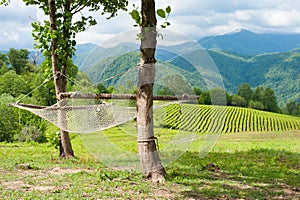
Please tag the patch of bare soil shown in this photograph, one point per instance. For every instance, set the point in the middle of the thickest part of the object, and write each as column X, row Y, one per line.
column 164, row 193
column 21, row 186
column 59, row 171
column 44, row 186
column 289, row 193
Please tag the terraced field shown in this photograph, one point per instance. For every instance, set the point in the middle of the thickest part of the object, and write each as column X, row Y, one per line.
column 205, row 119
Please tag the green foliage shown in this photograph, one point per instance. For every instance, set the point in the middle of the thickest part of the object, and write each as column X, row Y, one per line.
column 101, row 89
column 245, row 91
column 135, row 15
column 292, row 108
column 8, row 119
column 63, row 32
column 19, row 61
column 165, row 15
column 4, row 2
column 165, row 91
column 14, row 84
column 53, row 137
column 3, row 64
column 258, row 94
column 3, row 69
column 162, row 13
column 260, row 98
column 31, row 133
column 67, row 26
column 45, row 94
column 218, row 96
column 168, row 10
column 205, row 98
column 83, row 83
column 12, row 120
column 197, row 91
column 239, row 101
column 269, row 101
column 256, row 105
column 110, row 89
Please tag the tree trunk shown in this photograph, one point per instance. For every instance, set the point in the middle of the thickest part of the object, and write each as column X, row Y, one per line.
column 60, row 83
column 149, row 157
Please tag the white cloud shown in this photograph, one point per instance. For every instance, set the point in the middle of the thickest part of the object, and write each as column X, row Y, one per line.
column 194, row 18
column 279, row 18
column 15, row 23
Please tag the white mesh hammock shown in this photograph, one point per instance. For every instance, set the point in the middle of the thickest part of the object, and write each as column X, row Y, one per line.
column 86, row 113
column 82, row 115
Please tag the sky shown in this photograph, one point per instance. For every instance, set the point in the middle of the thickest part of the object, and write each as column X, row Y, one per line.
column 192, row 18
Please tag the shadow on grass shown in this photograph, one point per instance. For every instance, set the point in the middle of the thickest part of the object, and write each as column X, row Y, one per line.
column 254, row 174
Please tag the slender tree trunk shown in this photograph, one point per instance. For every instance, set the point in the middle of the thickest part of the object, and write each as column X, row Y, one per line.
column 60, row 83
column 149, row 157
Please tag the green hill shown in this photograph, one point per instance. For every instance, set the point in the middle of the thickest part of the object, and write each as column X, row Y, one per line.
column 278, row 71
column 205, row 119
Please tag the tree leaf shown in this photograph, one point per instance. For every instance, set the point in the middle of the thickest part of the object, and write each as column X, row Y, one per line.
column 161, row 13
column 136, row 16
column 168, row 9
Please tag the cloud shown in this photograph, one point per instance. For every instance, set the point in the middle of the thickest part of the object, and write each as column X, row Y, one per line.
column 193, row 18
column 281, row 18
column 15, row 23
column 215, row 17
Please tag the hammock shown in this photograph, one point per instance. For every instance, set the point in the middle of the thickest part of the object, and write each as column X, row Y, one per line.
column 85, row 113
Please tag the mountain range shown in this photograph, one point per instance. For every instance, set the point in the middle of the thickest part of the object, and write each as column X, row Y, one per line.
column 267, row 60
column 248, row 43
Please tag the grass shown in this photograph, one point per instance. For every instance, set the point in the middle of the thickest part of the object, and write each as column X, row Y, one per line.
column 240, row 166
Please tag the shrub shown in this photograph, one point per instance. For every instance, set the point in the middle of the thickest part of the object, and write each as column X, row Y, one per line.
column 8, row 119
column 239, row 101
column 256, row 105
column 53, row 138
column 31, row 133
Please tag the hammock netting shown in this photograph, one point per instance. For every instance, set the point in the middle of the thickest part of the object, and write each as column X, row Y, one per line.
column 86, row 113
column 83, row 115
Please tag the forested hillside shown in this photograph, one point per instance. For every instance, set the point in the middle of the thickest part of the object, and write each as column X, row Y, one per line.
column 278, row 71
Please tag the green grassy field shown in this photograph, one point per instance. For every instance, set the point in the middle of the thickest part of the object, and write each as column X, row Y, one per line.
column 240, row 166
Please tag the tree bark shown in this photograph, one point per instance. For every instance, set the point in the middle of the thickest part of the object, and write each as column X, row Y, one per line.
column 60, row 83
column 149, row 157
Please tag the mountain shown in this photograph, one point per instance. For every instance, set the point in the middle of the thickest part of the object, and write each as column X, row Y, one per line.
column 82, row 52
column 90, row 54
column 249, row 43
column 278, row 71
column 268, row 60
